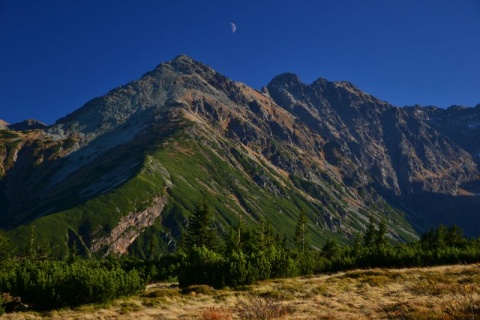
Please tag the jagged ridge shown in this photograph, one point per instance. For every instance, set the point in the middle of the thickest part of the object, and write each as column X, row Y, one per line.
column 184, row 130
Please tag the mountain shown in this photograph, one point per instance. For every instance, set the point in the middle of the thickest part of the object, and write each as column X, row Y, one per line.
column 29, row 124
column 123, row 172
column 3, row 125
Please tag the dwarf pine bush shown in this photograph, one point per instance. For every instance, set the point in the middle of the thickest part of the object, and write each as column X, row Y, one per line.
column 53, row 284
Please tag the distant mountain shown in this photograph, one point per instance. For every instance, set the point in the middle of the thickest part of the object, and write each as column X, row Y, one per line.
column 3, row 125
column 124, row 171
column 29, row 124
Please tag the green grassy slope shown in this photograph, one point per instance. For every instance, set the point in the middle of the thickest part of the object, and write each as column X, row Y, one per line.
column 240, row 186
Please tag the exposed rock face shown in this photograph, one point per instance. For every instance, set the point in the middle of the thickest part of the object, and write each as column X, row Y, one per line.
column 29, row 124
column 128, row 228
column 407, row 154
column 395, row 149
column 327, row 146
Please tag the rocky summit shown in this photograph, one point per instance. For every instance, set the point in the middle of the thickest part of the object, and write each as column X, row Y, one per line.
column 125, row 171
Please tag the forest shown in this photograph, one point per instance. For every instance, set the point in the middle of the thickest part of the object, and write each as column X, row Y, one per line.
column 33, row 280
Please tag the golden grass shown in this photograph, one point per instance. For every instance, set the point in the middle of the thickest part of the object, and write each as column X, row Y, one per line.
column 449, row 292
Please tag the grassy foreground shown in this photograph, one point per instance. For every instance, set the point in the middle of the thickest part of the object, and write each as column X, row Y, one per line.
column 448, row 292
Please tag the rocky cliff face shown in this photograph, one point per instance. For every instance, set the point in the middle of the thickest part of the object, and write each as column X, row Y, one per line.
column 127, row 167
column 397, row 149
column 407, row 155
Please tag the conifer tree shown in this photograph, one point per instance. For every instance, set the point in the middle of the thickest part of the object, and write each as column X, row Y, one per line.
column 200, row 231
column 235, row 239
column 381, row 239
column 152, row 249
column 440, row 236
column 370, row 234
column 264, row 236
column 454, row 236
column 5, row 248
column 331, row 249
column 73, row 254
column 301, row 232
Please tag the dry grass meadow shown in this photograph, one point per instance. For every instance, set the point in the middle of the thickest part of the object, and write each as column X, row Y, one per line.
column 448, row 292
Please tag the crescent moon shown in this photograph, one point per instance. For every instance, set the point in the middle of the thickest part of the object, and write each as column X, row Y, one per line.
column 233, row 26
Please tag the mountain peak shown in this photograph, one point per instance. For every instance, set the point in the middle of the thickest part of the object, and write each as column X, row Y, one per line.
column 29, row 124
column 286, row 79
column 183, row 64
column 183, row 58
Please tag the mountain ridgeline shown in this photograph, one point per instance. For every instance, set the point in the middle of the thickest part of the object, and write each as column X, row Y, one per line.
column 125, row 171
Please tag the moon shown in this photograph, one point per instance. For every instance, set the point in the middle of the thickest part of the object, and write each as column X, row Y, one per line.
column 233, row 26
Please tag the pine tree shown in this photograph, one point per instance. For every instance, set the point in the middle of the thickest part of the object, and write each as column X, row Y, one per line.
column 152, row 249
column 454, row 236
column 357, row 246
column 381, row 239
column 73, row 254
column 263, row 236
column 235, row 239
column 200, row 231
column 331, row 249
column 254, row 241
column 301, row 232
column 440, row 236
column 370, row 234
column 5, row 247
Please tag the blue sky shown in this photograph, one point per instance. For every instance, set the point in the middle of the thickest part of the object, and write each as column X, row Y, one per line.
column 55, row 55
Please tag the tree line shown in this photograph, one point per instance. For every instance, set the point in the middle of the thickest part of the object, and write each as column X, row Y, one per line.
column 249, row 255
column 245, row 255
